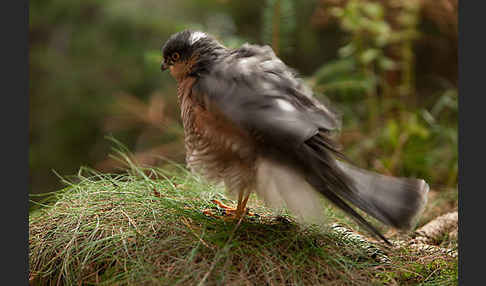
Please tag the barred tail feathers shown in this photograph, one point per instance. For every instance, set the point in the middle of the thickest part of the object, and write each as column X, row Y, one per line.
column 394, row 201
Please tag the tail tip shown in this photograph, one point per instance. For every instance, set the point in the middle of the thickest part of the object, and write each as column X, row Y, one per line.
column 421, row 202
column 424, row 187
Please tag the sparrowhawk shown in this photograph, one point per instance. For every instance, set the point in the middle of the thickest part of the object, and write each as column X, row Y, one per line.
column 252, row 124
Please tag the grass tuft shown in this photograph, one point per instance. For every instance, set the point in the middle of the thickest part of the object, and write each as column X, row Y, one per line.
column 147, row 227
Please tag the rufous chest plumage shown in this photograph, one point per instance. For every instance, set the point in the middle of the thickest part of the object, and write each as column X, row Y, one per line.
column 215, row 148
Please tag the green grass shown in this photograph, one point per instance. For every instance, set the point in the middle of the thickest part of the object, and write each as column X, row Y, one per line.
column 147, row 227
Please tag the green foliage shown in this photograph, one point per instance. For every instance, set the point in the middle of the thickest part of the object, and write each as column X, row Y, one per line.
column 95, row 71
column 372, row 36
column 343, row 79
column 80, row 56
column 406, row 135
column 369, row 30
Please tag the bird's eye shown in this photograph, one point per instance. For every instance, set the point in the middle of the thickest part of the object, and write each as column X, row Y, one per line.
column 175, row 56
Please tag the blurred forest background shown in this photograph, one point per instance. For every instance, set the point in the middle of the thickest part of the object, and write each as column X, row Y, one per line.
column 389, row 66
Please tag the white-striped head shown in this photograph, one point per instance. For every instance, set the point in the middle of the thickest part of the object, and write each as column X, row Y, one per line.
column 184, row 45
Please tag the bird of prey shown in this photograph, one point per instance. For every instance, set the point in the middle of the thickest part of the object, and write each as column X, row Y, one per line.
column 252, row 124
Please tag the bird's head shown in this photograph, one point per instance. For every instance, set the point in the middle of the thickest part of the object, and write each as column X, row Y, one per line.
column 190, row 53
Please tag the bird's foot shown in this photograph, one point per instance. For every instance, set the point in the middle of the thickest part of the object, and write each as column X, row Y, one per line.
column 223, row 206
column 228, row 213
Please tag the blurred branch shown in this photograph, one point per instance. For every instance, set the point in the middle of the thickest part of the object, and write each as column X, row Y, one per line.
column 135, row 111
column 131, row 112
column 279, row 25
column 276, row 27
column 173, row 151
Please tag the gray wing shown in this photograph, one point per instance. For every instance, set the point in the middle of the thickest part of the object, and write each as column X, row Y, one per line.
column 256, row 91
column 253, row 89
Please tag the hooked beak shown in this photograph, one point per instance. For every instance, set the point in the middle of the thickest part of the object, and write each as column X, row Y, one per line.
column 164, row 66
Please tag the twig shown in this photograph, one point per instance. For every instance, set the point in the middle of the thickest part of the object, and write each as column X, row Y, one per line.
column 435, row 229
column 370, row 248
